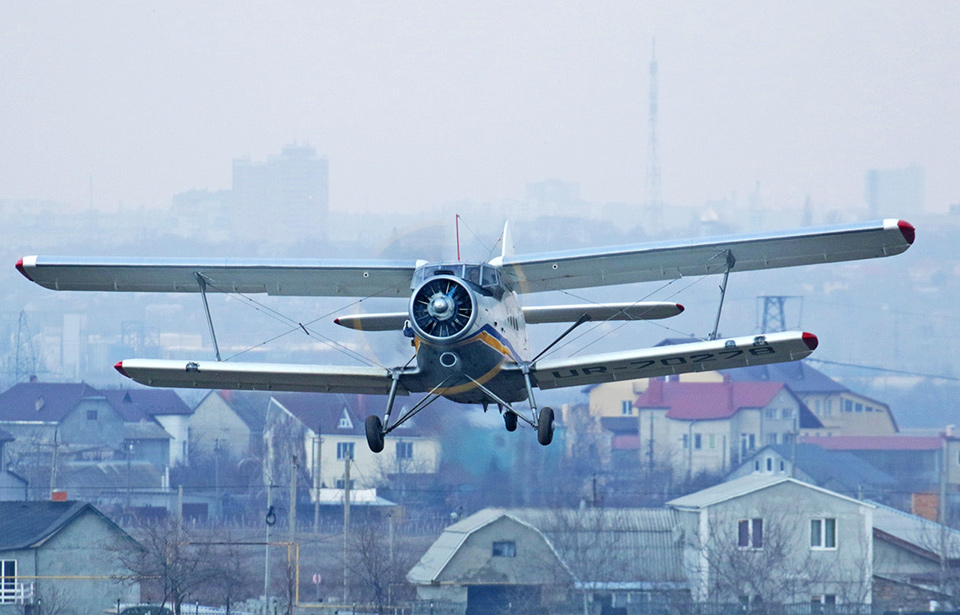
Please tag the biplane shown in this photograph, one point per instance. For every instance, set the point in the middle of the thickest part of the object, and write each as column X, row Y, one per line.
column 466, row 321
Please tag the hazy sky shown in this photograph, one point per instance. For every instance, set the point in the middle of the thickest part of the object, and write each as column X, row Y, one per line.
column 418, row 103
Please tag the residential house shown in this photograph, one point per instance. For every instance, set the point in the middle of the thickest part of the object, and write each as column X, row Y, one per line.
column 56, row 424
column 12, row 485
column 230, row 422
column 58, row 554
column 915, row 462
column 838, row 471
column 167, row 409
column 841, row 411
column 696, row 427
column 762, row 538
column 325, row 430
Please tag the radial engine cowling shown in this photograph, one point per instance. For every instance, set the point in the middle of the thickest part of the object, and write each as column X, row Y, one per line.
column 442, row 309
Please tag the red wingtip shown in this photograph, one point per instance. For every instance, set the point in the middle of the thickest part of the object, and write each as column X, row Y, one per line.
column 811, row 341
column 336, row 321
column 906, row 229
column 119, row 368
column 680, row 308
column 22, row 270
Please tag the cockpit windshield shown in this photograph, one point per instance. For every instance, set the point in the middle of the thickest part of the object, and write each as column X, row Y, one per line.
column 482, row 275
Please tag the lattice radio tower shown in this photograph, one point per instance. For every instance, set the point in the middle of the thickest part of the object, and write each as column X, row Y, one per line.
column 774, row 316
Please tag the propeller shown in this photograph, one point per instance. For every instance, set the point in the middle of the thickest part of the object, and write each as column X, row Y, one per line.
column 442, row 309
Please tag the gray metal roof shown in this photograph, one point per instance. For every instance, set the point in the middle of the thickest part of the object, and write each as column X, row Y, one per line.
column 595, row 545
column 740, row 487
column 917, row 531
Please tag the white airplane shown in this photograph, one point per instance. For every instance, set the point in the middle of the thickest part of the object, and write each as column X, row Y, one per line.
column 465, row 318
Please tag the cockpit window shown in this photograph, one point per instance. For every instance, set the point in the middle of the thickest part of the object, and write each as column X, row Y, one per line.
column 482, row 275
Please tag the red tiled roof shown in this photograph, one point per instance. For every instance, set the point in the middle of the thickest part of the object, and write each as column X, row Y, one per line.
column 697, row 401
column 875, row 443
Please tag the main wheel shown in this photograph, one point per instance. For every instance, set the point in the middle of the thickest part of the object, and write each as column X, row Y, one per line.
column 510, row 420
column 374, row 433
column 545, row 427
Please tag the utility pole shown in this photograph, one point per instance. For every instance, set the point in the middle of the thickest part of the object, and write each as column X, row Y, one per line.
column 53, row 463
column 293, row 499
column 316, row 482
column 270, row 519
column 346, row 519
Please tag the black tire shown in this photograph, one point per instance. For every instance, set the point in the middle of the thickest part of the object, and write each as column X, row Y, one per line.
column 510, row 420
column 545, row 427
column 374, row 433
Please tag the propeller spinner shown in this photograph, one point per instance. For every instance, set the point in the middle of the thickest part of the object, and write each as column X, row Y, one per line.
column 442, row 309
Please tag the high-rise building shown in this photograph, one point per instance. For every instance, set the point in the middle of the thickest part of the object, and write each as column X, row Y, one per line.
column 282, row 199
column 895, row 192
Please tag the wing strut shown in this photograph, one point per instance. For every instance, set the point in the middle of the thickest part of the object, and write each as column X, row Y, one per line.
column 206, row 308
column 731, row 261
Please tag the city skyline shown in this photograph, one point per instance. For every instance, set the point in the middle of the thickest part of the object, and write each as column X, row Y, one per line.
column 421, row 104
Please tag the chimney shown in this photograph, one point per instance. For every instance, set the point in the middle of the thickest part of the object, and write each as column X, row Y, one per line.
column 655, row 391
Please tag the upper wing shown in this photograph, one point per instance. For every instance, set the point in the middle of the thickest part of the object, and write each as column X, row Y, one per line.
column 673, row 259
column 259, row 376
column 678, row 359
column 312, row 278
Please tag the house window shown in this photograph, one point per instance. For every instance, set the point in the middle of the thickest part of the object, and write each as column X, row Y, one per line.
column 771, row 438
column 697, row 441
column 344, row 450
column 782, row 465
column 404, row 450
column 769, row 464
column 786, row 413
column 859, row 407
column 771, row 413
column 626, row 408
column 91, row 415
column 825, row 599
column 8, row 581
column 345, row 422
column 823, row 533
column 686, row 441
column 750, row 533
column 340, row 483
column 504, row 548
column 847, row 405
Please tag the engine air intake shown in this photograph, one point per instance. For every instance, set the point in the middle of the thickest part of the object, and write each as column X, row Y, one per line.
column 442, row 309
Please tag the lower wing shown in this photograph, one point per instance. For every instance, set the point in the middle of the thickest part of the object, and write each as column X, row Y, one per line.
column 677, row 359
column 259, row 376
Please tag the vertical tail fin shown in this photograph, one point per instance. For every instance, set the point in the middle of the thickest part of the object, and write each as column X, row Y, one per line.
column 506, row 241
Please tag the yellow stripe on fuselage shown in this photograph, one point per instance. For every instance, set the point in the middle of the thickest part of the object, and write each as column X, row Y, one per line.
column 491, row 341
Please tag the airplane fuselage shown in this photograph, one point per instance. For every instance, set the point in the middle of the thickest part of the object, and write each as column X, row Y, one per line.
column 466, row 326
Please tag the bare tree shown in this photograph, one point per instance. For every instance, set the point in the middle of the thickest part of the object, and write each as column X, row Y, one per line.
column 764, row 561
column 167, row 558
column 378, row 564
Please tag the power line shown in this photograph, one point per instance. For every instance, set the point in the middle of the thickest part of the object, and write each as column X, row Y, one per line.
column 885, row 369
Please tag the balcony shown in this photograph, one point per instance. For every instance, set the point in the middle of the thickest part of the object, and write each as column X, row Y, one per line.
column 13, row 592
